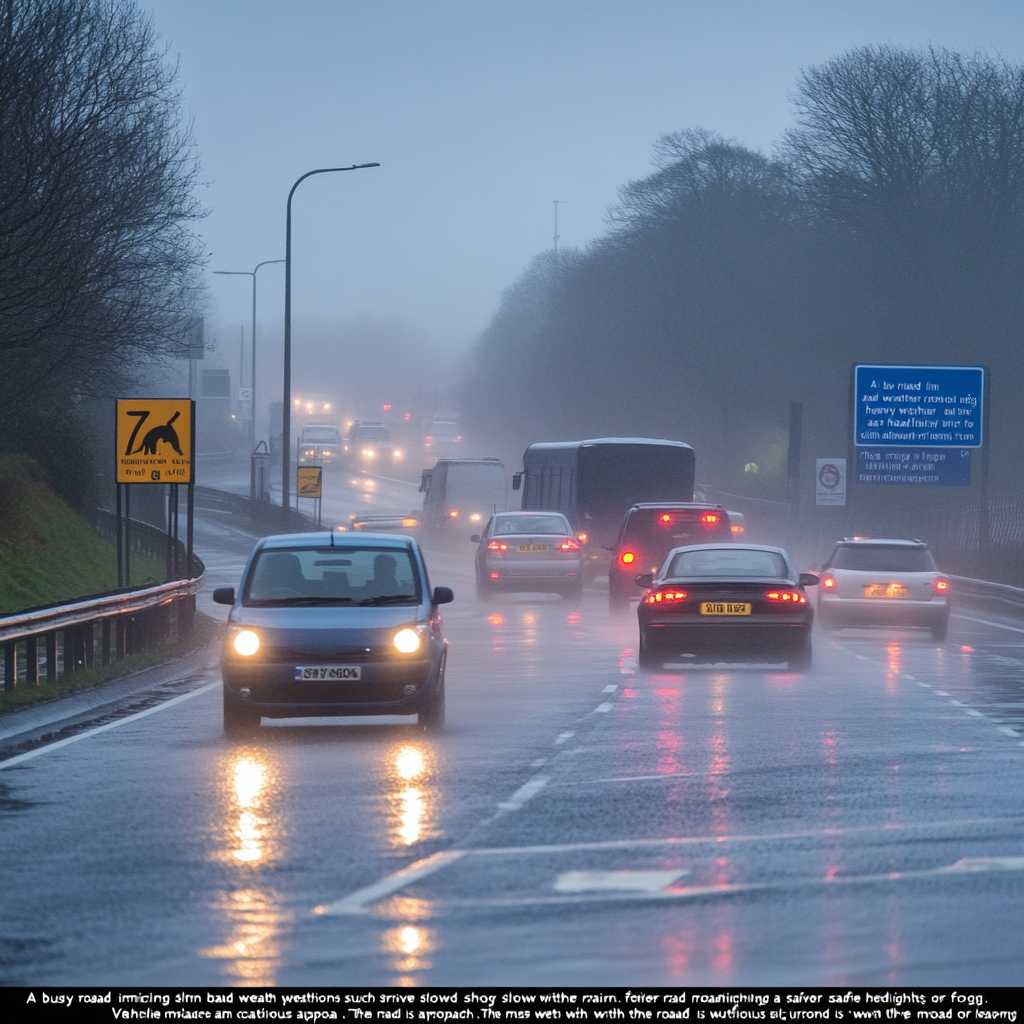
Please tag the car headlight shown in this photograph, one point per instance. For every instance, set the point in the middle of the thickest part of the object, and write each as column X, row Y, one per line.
column 246, row 643
column 407, row 641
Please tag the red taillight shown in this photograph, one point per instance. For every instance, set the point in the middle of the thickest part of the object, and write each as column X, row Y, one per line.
column 786, row 597
column 497, row 545
column 666, row 596
column 495, row 575
column 627, row 558
column 568, row 545
column 710, row 518
column 941, row 586
column 828, row 582
column 666, row 518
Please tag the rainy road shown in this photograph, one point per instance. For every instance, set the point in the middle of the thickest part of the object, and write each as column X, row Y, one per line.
column 577, row 823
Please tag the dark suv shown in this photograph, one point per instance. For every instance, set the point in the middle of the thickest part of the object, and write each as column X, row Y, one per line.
column 649, row 532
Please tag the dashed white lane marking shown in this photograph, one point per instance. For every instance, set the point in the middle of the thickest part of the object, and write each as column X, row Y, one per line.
column 611, row 688
column 360, row 901
column 11, row 761
column 525, row 792
column 941, row 693
column 986, row 622
column 539, row 763
column 1006, row 729
column 563, row 736
column 927, row 685
column 667, row 776
column 616, row 881
column 603, row 707
column 973, row 713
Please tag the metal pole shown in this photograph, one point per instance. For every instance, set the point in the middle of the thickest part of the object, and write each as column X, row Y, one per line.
column 286, row 411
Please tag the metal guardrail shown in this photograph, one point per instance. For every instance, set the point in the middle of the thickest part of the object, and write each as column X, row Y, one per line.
column 992, row 597
column 261, row 514
column 129, row 620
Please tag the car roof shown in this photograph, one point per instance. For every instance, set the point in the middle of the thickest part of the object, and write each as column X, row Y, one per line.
column 337, row 540
column 880, row 541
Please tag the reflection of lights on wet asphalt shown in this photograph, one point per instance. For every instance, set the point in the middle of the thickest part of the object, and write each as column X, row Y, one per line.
column 409, row 763
column 250, row 779
column 496, row 620
column 248, row 782
column 409, row 946
column 251, row 953
column 411, row 804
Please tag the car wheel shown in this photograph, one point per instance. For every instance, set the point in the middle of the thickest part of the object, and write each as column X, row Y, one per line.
column 431, row 715
column 239, row 721
column 940, row 629
column 800, row 661
column 649, row 658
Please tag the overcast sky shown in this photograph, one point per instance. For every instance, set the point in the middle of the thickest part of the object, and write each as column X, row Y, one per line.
column 480, row 114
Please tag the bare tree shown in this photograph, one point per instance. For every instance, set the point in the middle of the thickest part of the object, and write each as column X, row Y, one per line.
column 98, row 263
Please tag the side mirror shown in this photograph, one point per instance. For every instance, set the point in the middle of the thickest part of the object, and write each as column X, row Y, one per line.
column 645, row 579
column 809, row 579
column 224, row 595
column 442, row 595
column 475, row 538
column 517, row 481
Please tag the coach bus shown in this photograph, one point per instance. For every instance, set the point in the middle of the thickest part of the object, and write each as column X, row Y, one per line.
column 593, row 483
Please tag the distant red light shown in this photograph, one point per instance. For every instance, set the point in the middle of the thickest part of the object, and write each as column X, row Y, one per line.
column 407, row 417
column 941, row 585
column 569, row 545
column 828, row 582
column 495, row 575
column 666, row 518
column 628, row 558
column 497, row 545
column 786, row 597
column 582, row 538
column 386, row 408
column 663, row 596
column 710, row 518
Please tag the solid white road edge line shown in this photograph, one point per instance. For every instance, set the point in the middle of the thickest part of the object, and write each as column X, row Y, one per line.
column 985, row 622
column 103, row 728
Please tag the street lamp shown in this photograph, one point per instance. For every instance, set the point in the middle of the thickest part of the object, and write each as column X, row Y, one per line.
column 286, row 410
column 252, row 380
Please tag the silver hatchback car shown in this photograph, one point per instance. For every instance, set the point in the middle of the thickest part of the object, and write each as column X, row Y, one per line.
column 528, row 551
column 871, row 582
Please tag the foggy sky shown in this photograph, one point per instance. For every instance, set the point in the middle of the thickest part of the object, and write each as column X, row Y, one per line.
column 481, row 114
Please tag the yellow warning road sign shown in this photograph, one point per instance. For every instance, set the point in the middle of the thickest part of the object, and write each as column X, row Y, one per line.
column 308, row 482
column 154, row 441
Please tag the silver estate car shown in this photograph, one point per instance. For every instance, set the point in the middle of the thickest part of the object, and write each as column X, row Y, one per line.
column 528, row 551
column 333, row 624
column 876, row 582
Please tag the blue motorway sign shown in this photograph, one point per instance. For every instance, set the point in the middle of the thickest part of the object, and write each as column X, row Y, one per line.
column 949, row 467
column 918, row 406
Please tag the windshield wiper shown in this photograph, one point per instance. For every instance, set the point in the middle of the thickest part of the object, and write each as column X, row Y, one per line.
column 387, row 599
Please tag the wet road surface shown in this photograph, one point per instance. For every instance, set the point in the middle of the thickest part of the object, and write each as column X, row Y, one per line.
column 577, row 822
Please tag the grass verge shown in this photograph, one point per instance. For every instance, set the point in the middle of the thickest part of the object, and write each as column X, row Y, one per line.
column 207, row 630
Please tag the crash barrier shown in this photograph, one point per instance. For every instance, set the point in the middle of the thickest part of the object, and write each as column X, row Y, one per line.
column 59, row 640
column 968, row 538
column 263, row 516
column 992, row 598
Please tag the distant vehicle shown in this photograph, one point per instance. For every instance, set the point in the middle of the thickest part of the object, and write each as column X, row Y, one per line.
column 593, row 483
column 649, row 531
column 385, row 522
column 725, row 602
column 442, row 431
column 528, row 551
column 460, row 495
column 737, row 524
column 319, row 444
column 869, row 582
column 369, row 446
column 333, row 624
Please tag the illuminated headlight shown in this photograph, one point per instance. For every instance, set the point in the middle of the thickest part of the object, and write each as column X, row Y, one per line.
column 246, row 643
column 397, row 453
column 407, row 641
column 369, row 453
column 475, row 517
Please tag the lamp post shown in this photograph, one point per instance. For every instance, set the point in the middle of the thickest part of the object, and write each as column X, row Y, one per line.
column 286, row 409
column 252, row 377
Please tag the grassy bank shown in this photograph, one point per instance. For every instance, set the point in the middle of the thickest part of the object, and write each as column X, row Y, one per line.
column 48, row 552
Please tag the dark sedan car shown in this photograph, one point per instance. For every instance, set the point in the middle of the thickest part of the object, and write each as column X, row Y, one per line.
column 726, row 602
column 333, row 624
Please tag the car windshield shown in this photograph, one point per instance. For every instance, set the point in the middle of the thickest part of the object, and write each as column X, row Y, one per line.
column 531, row 524
column 329, row 576
column 729, row 563
column 320, row 435
column 883, row 558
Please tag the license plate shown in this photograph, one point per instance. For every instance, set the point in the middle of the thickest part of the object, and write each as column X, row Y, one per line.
column 885, row 590
column 532, row 549
column 345, row 673
column 724, row 608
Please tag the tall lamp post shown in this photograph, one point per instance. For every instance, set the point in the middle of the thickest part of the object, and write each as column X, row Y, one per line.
column 252, row 376
column 286, row 410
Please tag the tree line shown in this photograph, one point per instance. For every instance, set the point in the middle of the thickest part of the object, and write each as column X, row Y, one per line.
column 98, row 257
column 887, row 226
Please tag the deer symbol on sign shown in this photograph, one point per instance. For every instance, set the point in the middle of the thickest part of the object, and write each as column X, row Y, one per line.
column 165, row 433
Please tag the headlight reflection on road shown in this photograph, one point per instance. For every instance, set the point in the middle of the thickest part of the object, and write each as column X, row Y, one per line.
column 409, row 944
column 250, row 838
column 410, row 809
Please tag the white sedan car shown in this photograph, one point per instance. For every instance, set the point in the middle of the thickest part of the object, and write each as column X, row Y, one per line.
column 870, row 582
column 528, row 551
